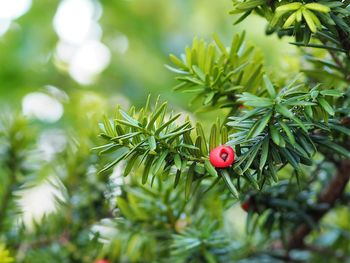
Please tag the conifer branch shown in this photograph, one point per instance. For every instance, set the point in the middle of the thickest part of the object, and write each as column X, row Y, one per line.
column 6, row 198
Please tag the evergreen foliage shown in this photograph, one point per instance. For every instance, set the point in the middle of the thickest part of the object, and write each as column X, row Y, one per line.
column 292, row 166
column 61, row 237
column 287, row 133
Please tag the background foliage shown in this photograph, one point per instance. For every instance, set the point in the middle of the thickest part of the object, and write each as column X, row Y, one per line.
column 289, row 132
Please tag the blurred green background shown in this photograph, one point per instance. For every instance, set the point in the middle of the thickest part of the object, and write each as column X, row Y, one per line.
column 64, row 59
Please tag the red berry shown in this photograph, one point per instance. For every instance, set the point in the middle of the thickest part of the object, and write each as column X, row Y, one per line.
column 222, row 156
column 245, row 205
column 102, row 261
column 241, row 107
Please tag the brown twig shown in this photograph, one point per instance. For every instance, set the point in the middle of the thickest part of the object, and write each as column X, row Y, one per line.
column 328, row 196
column 337, row 60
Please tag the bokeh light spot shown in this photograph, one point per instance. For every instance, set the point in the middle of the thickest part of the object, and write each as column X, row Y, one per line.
column 74, row 21
column 12, row 9
column 89, row 61
column 4, row 26
column 120, row 44
column 42, row 106
column 33, row 206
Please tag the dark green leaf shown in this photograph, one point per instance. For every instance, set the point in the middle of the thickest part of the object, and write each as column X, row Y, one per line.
column 189, row 180
column 260, row 125
column 269, row 87
column 264, row 153
column 276, row 137
column 288, row 132
column 154, row 117
column 147, row 168
column 159, row 162
column 130, row 164
column 152, row 144
column 129, row 119
column 325, row 105
column 213, row 142
column 177, row 160
column 225, row 175
column 209, row 168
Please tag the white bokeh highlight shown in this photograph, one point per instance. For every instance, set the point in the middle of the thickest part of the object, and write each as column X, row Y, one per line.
column 120, row 44
column 12, row 9
column 50, row 143
column 57, row 93
column 105, row 229
column 74, row 20
column 4, row 26
column 89, row 61
column 79, row 47
column 41, row 106
column 65, row 51
column 32, row 204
